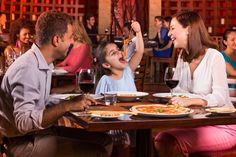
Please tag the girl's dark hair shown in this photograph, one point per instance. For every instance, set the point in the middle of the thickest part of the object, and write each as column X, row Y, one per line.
column 198, row 37
column 16, row 26
column 226, row 34
column 99, row 59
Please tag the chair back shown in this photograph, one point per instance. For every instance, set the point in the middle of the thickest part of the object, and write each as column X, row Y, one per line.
column 219, row 42
column 232, row 82
column 139, row 74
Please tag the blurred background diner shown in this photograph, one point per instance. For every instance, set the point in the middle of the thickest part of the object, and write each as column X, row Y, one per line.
column 21, row 39
column 80, row 56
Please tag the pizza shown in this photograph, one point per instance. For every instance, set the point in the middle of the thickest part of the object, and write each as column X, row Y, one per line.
column 159, row 109
column 181, row 96
column 106, row 113
column 221, row 110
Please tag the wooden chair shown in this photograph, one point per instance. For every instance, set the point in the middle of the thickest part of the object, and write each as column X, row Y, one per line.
column 232, row 91
column 232, row 80
column 169, row 61
column 139, row 75
column 219, row 41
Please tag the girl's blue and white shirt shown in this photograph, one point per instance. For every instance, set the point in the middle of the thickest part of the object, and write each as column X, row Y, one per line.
column 126, row 83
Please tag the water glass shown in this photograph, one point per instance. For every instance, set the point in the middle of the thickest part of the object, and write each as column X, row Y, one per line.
column 110, row 99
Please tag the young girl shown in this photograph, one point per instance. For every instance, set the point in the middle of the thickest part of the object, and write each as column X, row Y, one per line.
column 117, row 73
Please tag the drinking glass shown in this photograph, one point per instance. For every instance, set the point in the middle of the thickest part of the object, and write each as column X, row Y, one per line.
column 86, row 80
column 171, row 78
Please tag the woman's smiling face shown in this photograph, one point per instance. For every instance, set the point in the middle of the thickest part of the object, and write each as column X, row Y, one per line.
column 178, row 34
column 25, row 35
column 231, row 41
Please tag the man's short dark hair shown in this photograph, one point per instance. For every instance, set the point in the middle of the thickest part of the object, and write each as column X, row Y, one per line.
column 167, row 18
column 89, row 16
column 51, row 23
column 128, row 25
column 160, row 18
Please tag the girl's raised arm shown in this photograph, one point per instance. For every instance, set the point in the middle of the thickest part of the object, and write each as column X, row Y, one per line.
column 135, row 60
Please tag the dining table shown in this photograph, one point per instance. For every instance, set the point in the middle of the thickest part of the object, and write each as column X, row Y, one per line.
column 143, row 125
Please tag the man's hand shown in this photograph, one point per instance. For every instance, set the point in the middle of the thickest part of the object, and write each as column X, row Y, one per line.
column 80, row 103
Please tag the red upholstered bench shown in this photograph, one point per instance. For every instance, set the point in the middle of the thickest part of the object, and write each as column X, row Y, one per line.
column 225, row 153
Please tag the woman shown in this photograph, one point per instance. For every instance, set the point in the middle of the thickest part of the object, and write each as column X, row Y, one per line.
column 20, row 40
column 202, row 72
column 80, row 55
column 229, row 39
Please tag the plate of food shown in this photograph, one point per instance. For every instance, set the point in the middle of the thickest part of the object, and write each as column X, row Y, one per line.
column 169, row 96
column 160, row 110
column 127, row 95
column 221, row 110
column 59, row 71
column 106, row 114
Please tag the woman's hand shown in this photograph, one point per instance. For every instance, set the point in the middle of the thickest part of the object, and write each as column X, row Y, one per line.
column 186, row 102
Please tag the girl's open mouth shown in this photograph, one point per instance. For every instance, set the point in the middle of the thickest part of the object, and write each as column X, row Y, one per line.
column 122, row 60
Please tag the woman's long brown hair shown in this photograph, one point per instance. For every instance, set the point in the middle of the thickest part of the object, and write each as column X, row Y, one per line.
column 198, row 37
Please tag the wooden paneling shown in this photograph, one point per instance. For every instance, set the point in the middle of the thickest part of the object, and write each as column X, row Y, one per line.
column 217, row 14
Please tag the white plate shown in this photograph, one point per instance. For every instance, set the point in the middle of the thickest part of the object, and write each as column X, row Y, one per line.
column 59, row 71
column 186, row 111
column 152, row 42
column 127, row 95
column 221, row 110
column 63, row 96
column 69, row 96
column 168, row 95
column 106, row 116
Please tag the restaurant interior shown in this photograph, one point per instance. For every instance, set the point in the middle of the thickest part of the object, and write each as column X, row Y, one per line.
column 149, row 77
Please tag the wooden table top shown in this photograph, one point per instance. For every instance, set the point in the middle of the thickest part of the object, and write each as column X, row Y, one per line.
column 135, row 122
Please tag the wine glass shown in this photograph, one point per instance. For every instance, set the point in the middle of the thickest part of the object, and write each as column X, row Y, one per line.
column 171, row 78
column 86, row 80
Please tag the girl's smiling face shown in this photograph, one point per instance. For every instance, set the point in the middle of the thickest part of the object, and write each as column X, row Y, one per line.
column 114, row 58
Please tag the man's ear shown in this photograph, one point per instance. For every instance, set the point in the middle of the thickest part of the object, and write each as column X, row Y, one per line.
column 56, row 40
column 106, row 65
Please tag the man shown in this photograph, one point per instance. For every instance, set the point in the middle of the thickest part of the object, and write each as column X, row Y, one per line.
column 26, row 120
column 130, row 38
column 164, row 43
column 91, row 29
